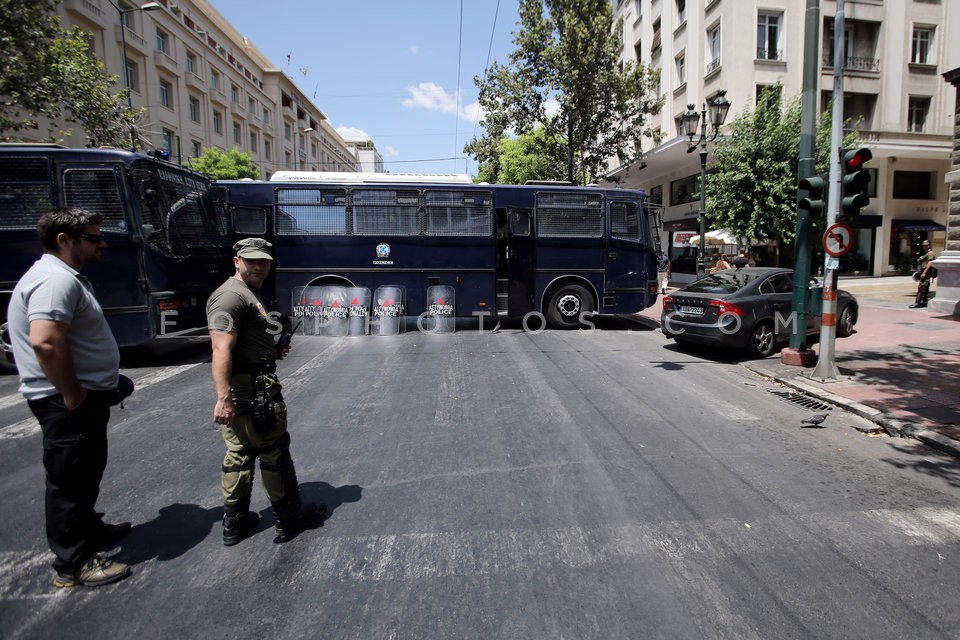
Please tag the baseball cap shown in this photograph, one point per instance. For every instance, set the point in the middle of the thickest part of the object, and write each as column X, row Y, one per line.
column 253, row 249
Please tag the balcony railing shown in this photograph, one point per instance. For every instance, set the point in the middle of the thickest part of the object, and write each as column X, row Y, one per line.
column 713, row 65
column 854, row 63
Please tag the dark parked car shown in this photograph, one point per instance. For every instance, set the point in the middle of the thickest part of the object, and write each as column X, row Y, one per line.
column 745, row 309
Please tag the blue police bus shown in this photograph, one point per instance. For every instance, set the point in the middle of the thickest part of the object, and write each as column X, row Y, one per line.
column 562, row 251
column 166, row 240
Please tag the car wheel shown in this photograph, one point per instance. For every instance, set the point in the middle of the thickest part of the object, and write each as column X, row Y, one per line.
column 566, row 306
column 762, row 340
column 845, row 322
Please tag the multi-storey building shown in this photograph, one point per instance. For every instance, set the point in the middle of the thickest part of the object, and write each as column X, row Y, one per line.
column 203, row 84
column 367, row 155
column 895, row 51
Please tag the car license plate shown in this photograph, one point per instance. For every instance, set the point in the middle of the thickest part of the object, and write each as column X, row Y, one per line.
column 692, row 311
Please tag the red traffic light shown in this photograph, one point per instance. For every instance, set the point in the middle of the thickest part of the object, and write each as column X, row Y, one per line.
column 855, row 160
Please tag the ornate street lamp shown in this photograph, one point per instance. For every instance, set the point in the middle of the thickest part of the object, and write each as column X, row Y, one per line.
column 718, row 109
column 148, row 6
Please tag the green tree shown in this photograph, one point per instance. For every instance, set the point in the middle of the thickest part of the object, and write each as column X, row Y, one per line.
column 752, row 186
column 50, row 71
column 526, row 157
column 565, row 75
column 233, row 165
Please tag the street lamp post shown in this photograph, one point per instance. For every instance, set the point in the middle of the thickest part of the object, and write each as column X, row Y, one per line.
column 149, row 6
column 301, row 148
column 718, row 109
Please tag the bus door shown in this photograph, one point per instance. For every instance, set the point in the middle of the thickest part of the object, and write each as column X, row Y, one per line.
column 627, row 262
column 521, row 261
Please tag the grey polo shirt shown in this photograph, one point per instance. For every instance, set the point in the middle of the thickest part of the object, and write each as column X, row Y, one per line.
column 52, row 290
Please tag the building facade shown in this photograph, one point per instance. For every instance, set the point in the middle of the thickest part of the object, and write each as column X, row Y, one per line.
column 895, row 52
column 203, row 85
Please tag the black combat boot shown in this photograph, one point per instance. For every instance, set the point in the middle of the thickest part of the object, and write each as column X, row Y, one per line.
column 238, row 526
column 294, row 518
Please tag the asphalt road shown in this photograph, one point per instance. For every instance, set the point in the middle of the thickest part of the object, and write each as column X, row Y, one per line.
column 556, row 485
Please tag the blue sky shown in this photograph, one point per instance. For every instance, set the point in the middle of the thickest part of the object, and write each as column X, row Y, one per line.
column 387, row 69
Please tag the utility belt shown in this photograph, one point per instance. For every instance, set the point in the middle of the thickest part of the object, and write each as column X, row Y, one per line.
column 257, row 393
column 255, row 369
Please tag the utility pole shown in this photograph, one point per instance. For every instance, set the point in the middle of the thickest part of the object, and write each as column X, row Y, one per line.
column 826, row 366
column 797, row 353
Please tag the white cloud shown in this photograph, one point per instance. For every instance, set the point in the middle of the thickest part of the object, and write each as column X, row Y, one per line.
column 352, row 134
column 552, row 107
column 389, row 152
column 433, row 97
column 414, row 49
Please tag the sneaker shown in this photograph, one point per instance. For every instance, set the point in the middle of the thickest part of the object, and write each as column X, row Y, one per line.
column 109, row 535
column 94, row 572
column 309, row 516
column 239, row 527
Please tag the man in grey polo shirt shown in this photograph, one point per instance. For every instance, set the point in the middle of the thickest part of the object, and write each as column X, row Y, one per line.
column 68, row 362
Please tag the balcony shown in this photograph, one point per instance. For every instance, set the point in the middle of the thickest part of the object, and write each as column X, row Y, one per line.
column 164, row 61
column 134, row 40
column 84, row 8
column 237, row 110
column 218, row 97
column 869, row 65
column 195, row 81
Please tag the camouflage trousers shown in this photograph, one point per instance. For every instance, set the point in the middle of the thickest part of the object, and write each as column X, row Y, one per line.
column 249, row 440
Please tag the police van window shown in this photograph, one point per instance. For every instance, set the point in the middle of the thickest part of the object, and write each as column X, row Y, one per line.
column 519, row 222
column 316, row 212
column 249, row 221
column 96, row 190
column 385, row 212
column 459, row 213
column 562, row 215
column 25, row 192
column 624, row 223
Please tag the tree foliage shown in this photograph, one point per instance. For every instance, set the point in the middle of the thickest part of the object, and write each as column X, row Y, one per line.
column 565, row 76
column 752, row 187
column 233, row 165
column 526, row 157
column 50, row 71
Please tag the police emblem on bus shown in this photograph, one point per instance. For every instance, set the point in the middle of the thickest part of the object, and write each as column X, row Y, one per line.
column 383, row 250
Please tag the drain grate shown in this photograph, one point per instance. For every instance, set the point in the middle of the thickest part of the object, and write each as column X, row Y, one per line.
column 801, row 399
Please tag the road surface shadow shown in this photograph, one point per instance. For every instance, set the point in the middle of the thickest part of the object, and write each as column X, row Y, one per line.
column 176, row 529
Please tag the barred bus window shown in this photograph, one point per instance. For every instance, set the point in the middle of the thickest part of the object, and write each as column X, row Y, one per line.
column 624, row 223
column 459, row 213
column 25, row 192
column 314, row 212
column 96, row 190
column 564, row 215
column 385, row 212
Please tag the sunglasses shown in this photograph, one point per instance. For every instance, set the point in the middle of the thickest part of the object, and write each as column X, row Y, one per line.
column 95, row 238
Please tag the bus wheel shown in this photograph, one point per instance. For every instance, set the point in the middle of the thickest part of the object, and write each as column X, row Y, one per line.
column 566, row 306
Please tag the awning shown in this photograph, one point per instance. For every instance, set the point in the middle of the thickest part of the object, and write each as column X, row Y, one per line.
column 919, row 225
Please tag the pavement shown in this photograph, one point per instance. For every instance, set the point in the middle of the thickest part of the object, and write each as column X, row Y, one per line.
column 899, row 370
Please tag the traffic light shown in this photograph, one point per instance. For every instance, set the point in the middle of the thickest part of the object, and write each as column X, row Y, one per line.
column 855, row 180
column 816, row 188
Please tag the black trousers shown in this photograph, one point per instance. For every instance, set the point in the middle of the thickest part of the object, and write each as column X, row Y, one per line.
column 74, row 458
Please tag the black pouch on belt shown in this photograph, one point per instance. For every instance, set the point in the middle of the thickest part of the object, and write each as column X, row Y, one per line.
column 262, row 412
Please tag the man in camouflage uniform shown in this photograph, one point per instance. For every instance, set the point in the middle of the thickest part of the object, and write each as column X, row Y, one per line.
column 250, row 408
column 925, row 274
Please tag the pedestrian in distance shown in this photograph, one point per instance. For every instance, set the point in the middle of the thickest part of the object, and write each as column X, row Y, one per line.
column 721, row 264
column 925, row 273
column 663, row 272
column 742, row 260
column 68, row 361
column 249, row 405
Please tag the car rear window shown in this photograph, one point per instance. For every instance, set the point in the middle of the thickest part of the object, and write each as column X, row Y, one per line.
column 721, row 283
